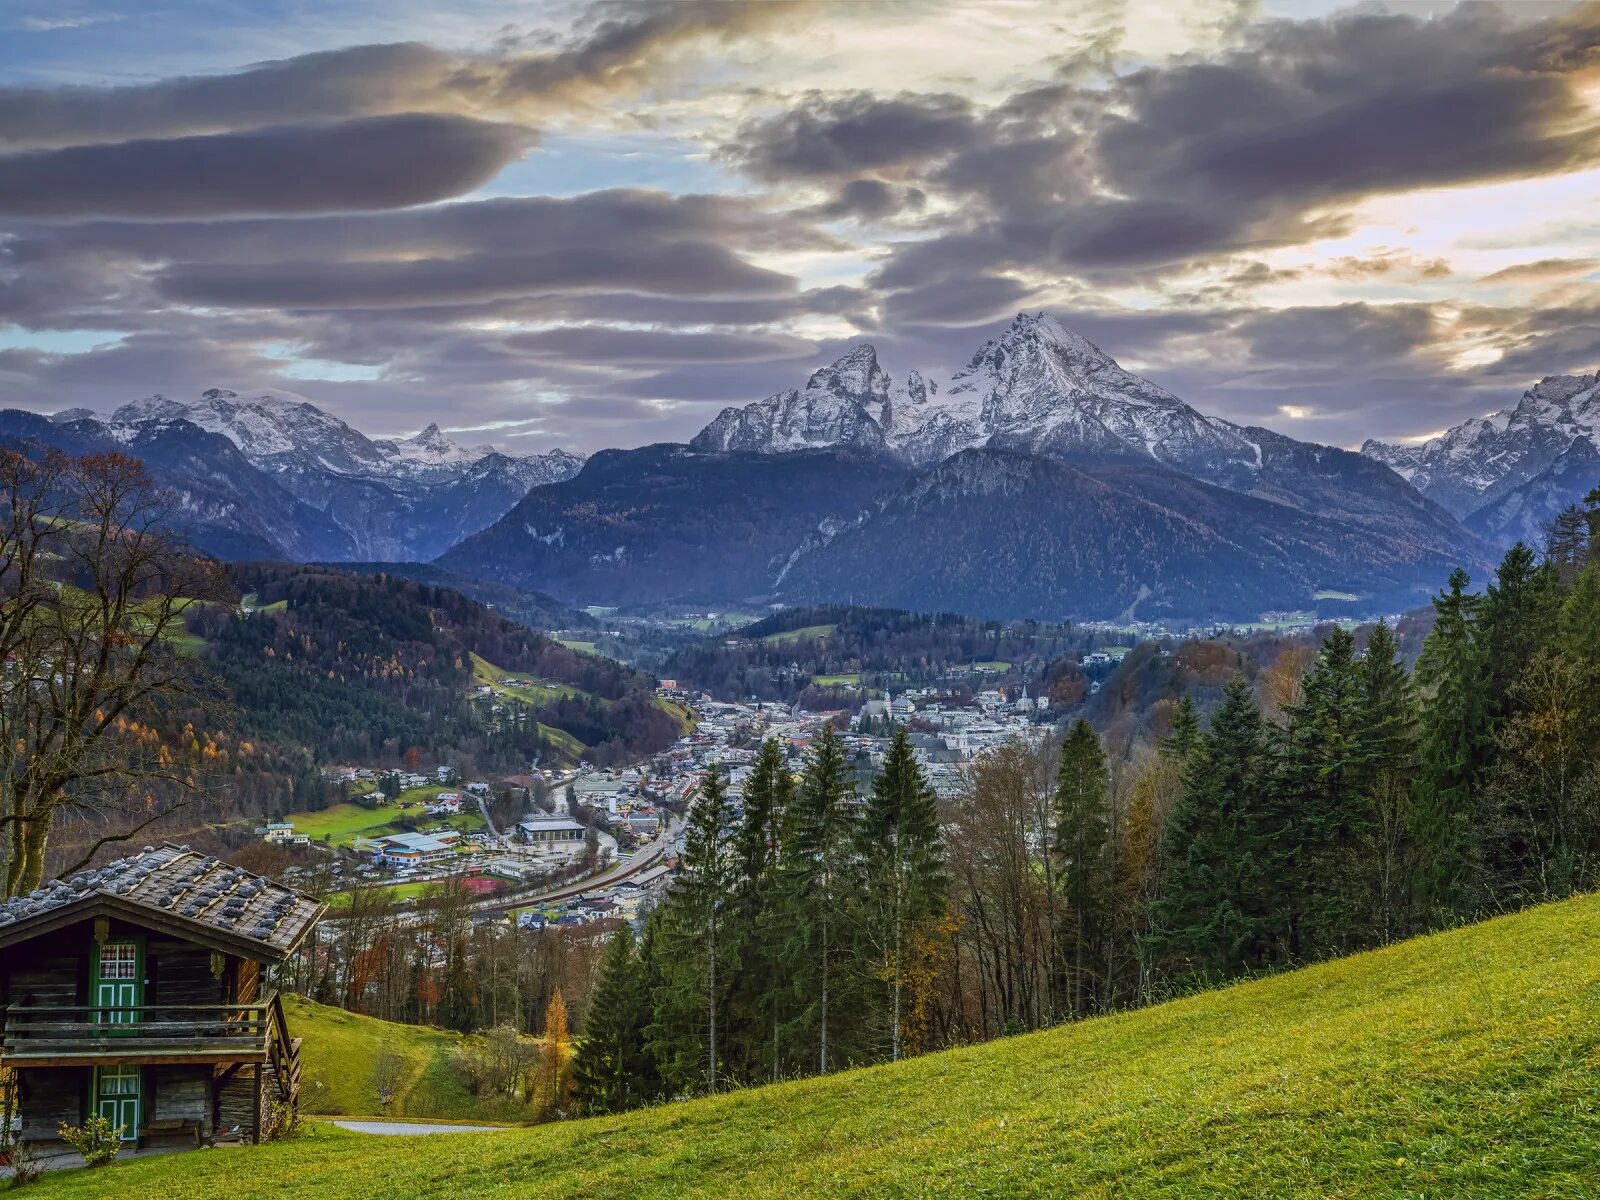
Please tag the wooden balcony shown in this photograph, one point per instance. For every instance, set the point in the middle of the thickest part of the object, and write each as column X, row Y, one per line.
column 56, row 1036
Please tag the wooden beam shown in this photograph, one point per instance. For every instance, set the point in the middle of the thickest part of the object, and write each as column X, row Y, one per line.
column 135, row 1060
column 255, row 1132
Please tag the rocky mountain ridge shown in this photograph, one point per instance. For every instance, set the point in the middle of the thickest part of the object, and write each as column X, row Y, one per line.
column 1506, row 474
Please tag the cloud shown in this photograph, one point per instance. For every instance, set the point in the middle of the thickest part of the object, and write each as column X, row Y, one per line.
column 681, row 268
column 837, row 136
column 367, row 164
column 616, row 52
column 1542, row 270
column 1268, row 144
column 612, row 54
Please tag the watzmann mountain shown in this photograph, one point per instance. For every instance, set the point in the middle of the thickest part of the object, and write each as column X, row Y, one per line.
column 1041, row 479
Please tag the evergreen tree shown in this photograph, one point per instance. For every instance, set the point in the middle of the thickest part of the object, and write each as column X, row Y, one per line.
column 1325, row 887
column 1516, row 617
column 1184, row 735
column 602, row 1068
column 1386, row 763
column 1081, row 848
column 1217, row 915
column 902, row 851
column 1455, row 747
column 820, row 884
column 1568, row 542
column 697, row 958
column 757, row 924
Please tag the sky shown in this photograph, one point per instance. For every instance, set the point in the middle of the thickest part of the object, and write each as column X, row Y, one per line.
column 590, row 225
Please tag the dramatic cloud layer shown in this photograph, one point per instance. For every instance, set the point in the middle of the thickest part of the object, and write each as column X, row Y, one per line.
column 597, row 231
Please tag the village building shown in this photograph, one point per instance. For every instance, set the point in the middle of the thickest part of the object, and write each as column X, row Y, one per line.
column 550, row 831
column 137, row 992
column 413, row 849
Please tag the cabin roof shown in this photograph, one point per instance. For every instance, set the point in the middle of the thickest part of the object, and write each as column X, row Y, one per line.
column 177, row 890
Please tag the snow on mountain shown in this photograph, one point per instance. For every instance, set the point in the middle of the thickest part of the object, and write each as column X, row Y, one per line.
column 1484, row 460
column 1038, row 387
column 391, row 499
column 276, row 433
column 291, row 436
column 846, row 403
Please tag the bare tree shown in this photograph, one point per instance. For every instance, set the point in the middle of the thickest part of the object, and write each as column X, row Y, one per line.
column 94, row 589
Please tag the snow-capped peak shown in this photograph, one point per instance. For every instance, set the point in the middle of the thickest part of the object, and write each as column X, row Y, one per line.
column 1482, row 458
column 432, row 448
column 288, row 435
column 1037, row 386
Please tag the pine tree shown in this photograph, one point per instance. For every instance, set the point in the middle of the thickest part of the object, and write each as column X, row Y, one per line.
column 820, row 882
column 1455, row 748
column 756, row 994
column 697, row 957
column 1217, row 914
column 1325, row 886
column 1568, row 542
column 902, row 851
column 612, row 1032
column 1081, row 849
column 1517, row 616
column 1386, row 763
column 1184, row 735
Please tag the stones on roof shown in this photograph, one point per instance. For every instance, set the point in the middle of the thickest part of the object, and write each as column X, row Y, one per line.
column 202, row 889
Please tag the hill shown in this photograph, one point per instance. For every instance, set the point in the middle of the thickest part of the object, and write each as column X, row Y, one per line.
column 340, row 1048
column 666, row 524
column 1459, row 1065
column 355, row 666
column 782, row 656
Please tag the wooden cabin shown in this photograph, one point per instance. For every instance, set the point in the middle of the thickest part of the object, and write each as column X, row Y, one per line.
column 137, row 991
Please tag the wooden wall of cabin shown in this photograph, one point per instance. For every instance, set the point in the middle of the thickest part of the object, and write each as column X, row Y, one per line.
column 51, row 970
column 179, row 1093
column 180, row 973
column 245, row 981
column 51, row 1096
column 236, row 1104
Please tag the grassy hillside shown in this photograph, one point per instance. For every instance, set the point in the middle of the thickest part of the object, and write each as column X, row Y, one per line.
column 339, row 1049
column 1463, row 1065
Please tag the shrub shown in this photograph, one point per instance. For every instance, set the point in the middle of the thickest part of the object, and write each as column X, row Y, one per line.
column 97, row 1139
column 25, row 1164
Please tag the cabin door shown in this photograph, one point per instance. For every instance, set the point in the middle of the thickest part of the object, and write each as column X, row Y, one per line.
column 116, row 1098
column 117, row 987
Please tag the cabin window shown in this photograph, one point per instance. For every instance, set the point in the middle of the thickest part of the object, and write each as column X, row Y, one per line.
column 119, row 1081
column 119, row 960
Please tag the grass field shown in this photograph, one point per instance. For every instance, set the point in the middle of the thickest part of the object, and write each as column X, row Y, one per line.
column 836, row 680
column 1464, row 1066
column 342, row 824
column 804, row 633
column 401, row 891
column 337, row 1056
column 484, row 671
column 581, row 647
column 252, row 601
column 1329, row 594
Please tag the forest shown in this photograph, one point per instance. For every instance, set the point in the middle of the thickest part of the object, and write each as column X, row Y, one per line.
column 781, row 657
column 366, row 667
column 1360, row 802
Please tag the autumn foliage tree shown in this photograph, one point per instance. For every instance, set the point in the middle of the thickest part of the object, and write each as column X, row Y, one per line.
column 94, row 592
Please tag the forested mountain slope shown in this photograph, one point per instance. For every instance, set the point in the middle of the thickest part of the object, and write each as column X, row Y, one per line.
column 1459, row 1065
column 362, row 667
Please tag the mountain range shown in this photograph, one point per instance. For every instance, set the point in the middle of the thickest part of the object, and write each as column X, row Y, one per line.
column 1039, row 479
column 1507, row 474
column 277, row 477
